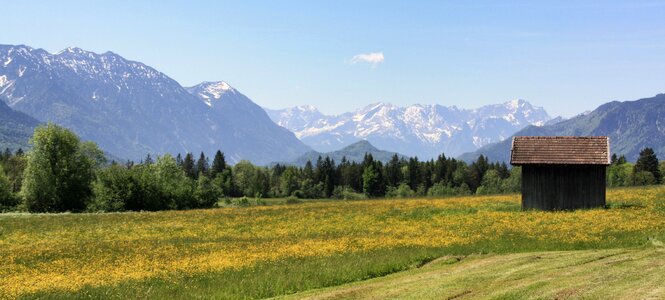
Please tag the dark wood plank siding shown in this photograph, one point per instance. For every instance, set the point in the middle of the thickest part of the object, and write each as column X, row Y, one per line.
column 557, row 187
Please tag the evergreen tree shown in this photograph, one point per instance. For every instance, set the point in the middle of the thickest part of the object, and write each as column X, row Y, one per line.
column 308, row 171
column 503, row 171
column 393, row 171
column 414, row 174
column 218, row 164
column 148, row 160
column 178, row 160
column 202, row 165
column 477, row 172
column 617, row 160
column 326, row 175
column 6, row 155
column 188, row 166
column 648, row 162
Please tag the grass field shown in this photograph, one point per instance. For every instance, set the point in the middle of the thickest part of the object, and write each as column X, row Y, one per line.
column 588, row 274
column 266, row 251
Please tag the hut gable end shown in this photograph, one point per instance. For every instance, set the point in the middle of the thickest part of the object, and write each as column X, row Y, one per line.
column 560, row 150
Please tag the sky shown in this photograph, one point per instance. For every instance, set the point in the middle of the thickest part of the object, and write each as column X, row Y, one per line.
column 566, row 56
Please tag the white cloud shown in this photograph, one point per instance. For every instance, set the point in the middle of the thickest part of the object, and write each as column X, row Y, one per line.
column 373, row 58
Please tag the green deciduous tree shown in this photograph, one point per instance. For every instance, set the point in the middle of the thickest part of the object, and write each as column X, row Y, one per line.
column 491, row 183
column 290, row 181
column 115, row 188
column 619, row 174
column 7, row 198
column 207, row 193
column 177, row 189
column 59, row 173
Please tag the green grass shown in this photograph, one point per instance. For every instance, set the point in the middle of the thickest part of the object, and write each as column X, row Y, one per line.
column 583, row 274
column 512, row 265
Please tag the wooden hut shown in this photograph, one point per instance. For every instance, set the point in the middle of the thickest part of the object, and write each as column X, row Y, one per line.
column 561, row 172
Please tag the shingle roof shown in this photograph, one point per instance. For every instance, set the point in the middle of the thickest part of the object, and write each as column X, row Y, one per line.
column 560, row 150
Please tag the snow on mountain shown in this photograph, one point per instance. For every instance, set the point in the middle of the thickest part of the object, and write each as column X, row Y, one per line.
column 422, row 130
column 211, row 91
column 131, row 109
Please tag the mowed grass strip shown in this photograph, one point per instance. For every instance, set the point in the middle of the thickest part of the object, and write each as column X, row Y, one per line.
column 256, row 252
column 582, row 274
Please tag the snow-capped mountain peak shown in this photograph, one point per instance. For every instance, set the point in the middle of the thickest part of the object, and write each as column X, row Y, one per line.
column 131, row 109
column 515, row 104
column 211, row 91
column 422, row 130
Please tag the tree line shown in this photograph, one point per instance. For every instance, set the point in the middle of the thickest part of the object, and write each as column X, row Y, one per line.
column 63, row 173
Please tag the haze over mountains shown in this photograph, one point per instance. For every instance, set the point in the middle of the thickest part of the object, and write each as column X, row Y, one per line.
column 131, row 109
column 417, row 130
column 631, row 126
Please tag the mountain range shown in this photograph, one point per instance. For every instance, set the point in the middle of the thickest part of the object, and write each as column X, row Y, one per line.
column 131, row 109
column 630, row 125
column 416, row 130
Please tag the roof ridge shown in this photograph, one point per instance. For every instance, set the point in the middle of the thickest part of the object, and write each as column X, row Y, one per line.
column 560, row 150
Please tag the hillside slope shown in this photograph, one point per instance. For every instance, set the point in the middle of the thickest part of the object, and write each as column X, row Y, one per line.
column 15, row 128
column 131, row 109
column 353, row 153
column 631, row 126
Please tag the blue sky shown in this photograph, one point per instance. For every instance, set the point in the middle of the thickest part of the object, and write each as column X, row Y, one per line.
column 567, row 56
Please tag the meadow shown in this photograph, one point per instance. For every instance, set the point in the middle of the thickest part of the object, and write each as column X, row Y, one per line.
column 275, row 250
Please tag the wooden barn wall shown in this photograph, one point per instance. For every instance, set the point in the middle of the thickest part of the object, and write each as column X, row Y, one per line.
column 550, row 187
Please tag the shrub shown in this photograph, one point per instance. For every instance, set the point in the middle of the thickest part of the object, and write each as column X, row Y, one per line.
column 347, row 193
column 7, row 198
column 113, row 189
column 293, row 200
column 491, row 183
column 643, row 178
column 401, row 191
column 207, row 193
column 441, row 189
column 244, row 201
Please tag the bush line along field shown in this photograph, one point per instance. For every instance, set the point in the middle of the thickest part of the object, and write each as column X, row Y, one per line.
column 61, row 173
column 265, row 251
